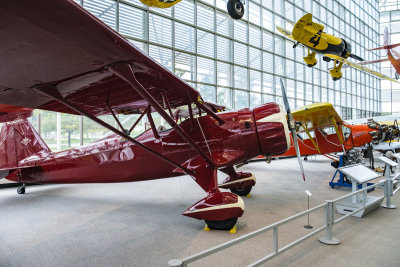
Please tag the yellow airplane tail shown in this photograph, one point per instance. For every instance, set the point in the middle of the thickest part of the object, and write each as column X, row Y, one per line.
column 305, row 28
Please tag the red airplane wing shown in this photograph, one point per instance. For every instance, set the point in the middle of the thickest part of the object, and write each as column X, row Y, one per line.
column 59, row 43
column 385, row 47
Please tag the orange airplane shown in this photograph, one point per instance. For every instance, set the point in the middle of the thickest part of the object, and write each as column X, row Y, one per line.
column 321, row 131
column 392, row 55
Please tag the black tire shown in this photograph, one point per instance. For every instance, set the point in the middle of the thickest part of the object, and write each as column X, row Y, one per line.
column 222, row 225
column 326, row 59
column 235, row 9
column 336, row 79
column 21, row 190
column 242, row 191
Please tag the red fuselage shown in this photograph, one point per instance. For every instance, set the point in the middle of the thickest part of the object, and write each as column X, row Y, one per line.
column 244, row 135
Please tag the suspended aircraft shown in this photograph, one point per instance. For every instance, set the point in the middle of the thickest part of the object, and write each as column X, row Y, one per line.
column 235, row 7
column 312, row 36
column 392, row 55
column 59, row 57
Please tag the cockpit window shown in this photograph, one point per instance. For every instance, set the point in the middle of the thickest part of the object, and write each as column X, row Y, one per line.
column 346, row 132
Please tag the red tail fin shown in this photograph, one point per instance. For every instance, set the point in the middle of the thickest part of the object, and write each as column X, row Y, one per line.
column 386, row 42
column 18, row 141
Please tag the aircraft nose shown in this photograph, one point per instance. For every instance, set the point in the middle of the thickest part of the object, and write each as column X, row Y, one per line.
column 272, row 129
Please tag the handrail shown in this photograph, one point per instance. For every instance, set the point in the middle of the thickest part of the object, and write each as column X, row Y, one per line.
column 329, row 221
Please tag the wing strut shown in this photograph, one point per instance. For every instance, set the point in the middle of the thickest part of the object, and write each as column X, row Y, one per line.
column 338, row 133
column 310, row 137
column 209, row 112
column 152, row 124
column 138, row 120
column 124, row 71
column 52, row 92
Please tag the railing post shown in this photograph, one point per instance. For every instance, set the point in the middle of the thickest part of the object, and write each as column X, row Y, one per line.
column 175, row 263
column 388, row 189
column 329, row 219
column 276, row 249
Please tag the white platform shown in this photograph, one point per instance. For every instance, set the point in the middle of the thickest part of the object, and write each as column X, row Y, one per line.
column 346, row 206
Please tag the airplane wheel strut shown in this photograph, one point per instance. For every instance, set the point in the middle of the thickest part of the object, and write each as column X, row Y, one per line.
column 222, row 225
column 235, row 9
column 241, row 191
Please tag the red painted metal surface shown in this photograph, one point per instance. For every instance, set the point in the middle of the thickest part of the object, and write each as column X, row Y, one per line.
column 238, row 180
column 230, row 144
column 11, row 113
column 216, row 207
column 19, row 141
column 60, row 43
column 68, row 57
column 113, row 159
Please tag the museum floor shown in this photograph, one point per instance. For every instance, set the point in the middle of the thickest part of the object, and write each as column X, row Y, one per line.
column 140, row 224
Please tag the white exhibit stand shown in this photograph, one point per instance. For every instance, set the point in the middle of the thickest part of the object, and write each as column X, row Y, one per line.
column 389, row 182
column 397, row 174
column 359, row 174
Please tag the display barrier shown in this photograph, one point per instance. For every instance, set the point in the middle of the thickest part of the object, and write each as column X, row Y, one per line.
column 329, row 221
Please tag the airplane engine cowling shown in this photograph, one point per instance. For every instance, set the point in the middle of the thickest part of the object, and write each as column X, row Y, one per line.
column 272, row 129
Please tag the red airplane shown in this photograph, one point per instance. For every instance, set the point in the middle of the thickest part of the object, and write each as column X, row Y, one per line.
column 59, row 57
column 392, row 55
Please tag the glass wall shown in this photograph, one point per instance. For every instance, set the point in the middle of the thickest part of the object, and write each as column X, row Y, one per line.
column 390, row 18
column 238, row 63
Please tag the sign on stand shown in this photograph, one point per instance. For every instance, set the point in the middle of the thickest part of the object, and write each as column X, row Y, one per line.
column 359, row 174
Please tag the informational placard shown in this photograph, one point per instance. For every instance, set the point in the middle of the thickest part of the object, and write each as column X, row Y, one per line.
column 359, row 173
column 308, row 193
column 388, row 161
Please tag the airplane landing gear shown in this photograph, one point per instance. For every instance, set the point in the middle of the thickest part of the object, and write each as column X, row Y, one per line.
column 310, row 59
column 21, row 189
column 235, row 8
column 240, row 183
column 242, row 191
column 222, row 225
column 396, row 75
column 336, row 72
column 326, row 59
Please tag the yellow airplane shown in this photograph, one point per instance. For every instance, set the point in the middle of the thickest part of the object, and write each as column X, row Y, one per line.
column 235, row 7
column 311, row 35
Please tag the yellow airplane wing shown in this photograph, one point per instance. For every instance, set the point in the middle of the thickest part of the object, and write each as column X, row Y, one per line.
column 360, row 67
column 285, row 32
column 317, row 115
column 160, row 3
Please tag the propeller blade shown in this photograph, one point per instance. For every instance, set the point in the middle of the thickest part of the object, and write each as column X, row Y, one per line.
column 285, row 99
column 296, row 147
column 292, row 128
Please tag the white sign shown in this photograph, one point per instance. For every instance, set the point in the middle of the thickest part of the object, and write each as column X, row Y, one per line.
column 308, row 193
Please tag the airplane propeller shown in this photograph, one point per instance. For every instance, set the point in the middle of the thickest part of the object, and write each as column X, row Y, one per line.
column 292, row 128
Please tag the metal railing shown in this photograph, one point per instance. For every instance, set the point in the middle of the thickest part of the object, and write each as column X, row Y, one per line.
column 329, row 217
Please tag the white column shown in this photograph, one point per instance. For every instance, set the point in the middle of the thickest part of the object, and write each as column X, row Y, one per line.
column 58, row 137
